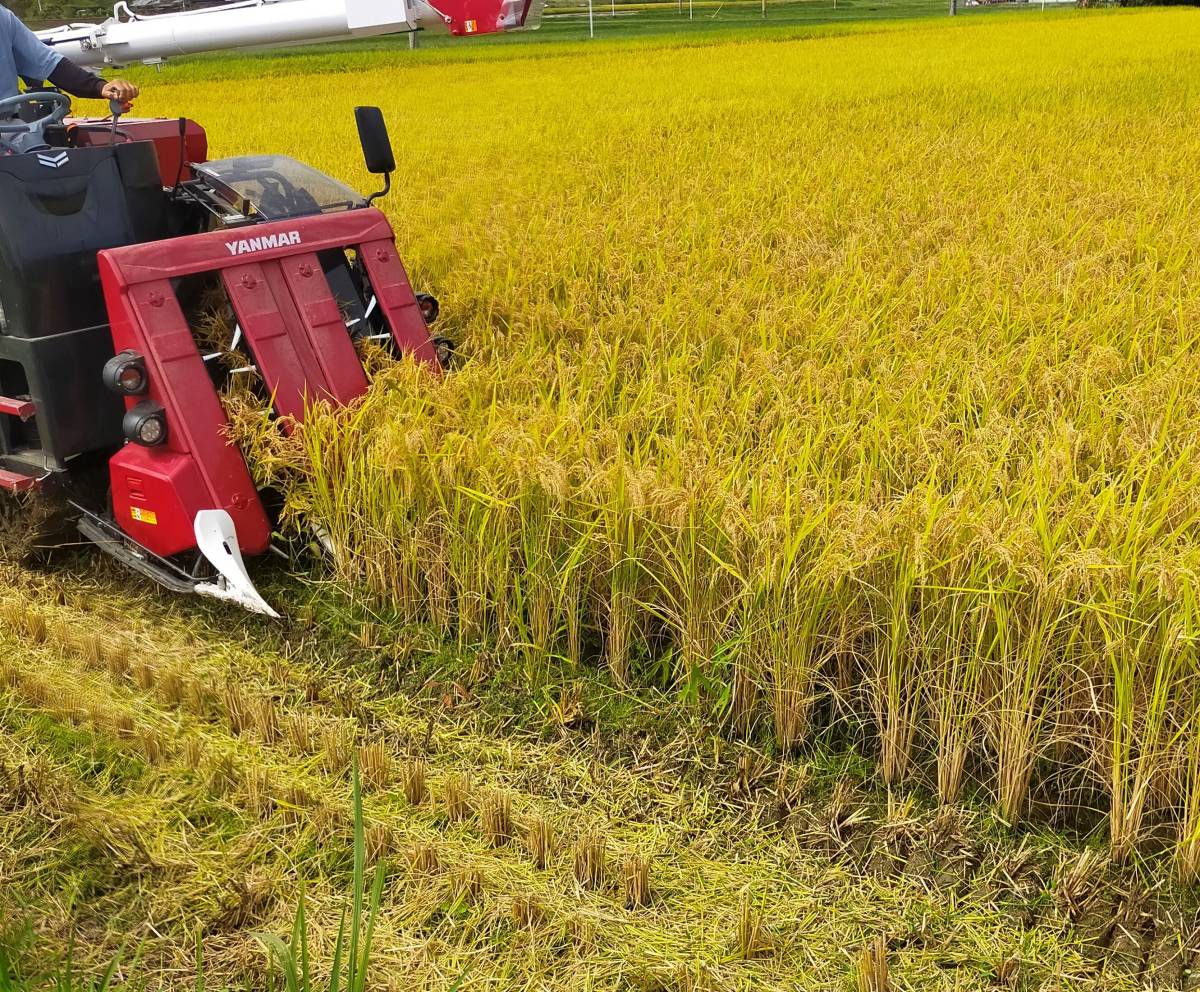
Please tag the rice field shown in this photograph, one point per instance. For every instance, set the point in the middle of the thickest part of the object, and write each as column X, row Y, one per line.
column 842, row 384
column 808, row 527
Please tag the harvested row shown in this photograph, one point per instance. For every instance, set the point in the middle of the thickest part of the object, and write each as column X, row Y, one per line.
column 212, row 828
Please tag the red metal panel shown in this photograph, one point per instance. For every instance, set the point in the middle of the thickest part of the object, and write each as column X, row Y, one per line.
column 216, row 250
column 156, row 494
column 324, row 327
column 147, row 318
column 267, row 318
column 24, row 409
column 15, row 482
column 395, row 297
column 366, row 230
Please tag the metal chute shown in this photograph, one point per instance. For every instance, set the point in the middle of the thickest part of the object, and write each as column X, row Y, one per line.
column 129, row 36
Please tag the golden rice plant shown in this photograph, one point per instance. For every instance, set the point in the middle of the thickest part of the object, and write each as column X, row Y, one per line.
column 832, row 451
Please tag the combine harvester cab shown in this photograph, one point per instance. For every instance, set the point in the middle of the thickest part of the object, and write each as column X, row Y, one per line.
column 464, row 17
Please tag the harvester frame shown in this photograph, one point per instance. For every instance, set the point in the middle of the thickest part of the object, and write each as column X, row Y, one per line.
column 307, row 266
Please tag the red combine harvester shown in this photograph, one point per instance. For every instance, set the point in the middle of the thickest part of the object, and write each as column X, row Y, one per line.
column 109, row 233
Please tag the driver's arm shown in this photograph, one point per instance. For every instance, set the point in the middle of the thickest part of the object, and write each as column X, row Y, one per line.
column 35, row 60
column 69, row 78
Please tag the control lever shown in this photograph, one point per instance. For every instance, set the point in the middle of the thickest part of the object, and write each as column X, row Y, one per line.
column 116, row 108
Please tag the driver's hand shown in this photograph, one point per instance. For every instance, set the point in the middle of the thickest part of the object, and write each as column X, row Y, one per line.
column 119, row 89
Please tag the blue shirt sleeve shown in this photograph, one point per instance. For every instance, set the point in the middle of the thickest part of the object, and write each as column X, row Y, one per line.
column 32, row 59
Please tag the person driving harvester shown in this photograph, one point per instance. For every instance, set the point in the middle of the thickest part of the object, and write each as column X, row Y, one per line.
column 23, row 55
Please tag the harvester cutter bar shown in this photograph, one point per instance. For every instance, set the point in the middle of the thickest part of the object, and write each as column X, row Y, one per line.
column 110, row 539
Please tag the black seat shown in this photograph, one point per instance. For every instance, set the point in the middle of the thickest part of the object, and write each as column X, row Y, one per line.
column 57, row 209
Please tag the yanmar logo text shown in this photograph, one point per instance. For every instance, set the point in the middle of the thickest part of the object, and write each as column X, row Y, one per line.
column 264, row 242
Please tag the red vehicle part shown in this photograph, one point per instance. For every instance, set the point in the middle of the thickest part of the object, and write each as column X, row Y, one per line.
column 463, row 17
column 164, row 133
column 294, row 327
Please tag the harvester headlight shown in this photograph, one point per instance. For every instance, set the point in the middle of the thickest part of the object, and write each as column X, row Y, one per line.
column 125, row 374
column 146, row 424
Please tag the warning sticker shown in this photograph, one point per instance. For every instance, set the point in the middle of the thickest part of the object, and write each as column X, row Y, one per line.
column 470, row 26
column 143, row 516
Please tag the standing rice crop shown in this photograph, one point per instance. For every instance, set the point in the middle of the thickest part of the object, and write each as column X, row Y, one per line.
column 843, row 384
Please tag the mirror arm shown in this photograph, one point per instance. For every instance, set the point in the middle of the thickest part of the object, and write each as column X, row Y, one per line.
column 387, row 186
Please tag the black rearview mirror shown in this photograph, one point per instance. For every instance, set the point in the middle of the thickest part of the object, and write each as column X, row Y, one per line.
column 376, row 145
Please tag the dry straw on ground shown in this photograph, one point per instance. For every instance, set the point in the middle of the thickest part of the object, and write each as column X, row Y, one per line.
column 734, row 902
